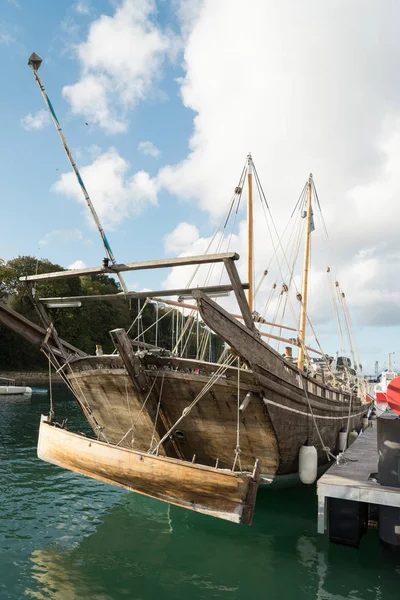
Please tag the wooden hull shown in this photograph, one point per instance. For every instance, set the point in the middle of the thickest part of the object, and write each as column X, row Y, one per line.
column 208, row 432
column 273, row 427
column 215, row 492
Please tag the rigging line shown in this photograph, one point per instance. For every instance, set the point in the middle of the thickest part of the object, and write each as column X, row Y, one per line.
column 160, row 319
column 269, row 300
column 287, row 226
column 352, row 330
column 326, row 449
column 346, row 313
column 237, row 194
column 140, row 411
column 214, row 378
column 127, row 401
column 263, row 276
column 277, row 259
column 282, row 320
column 237, row 449
column 229, row 242
column 300, row 200
column 138, row 316
column 335, row 305
column 156, row 417
column 51, row 393
column 85, row 407
column 316, row 195
column 320, row 348
column 205, row 343
column 342, row 296
column 209, row 246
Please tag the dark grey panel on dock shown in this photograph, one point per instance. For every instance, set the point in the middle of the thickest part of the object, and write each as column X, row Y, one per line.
column 350, row 481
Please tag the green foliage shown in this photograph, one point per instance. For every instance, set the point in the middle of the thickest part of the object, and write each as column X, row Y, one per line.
column 90, row 324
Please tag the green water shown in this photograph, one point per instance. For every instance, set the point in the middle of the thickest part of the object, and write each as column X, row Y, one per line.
column 66, row 537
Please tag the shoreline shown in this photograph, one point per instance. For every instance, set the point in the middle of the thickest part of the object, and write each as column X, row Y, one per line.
column 30, row 376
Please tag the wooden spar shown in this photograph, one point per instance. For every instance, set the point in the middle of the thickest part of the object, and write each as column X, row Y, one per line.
column 257, row 319
column 216, row 492
column 240, row 296
column 47, row 322
column 131, row 361
column 304, row 290
column 140, row 382
column 145, row 294
column 250, row 230
column 243, row 342
column 35, row 62
column 32, row 332
column 290, row 341
column 135, row 266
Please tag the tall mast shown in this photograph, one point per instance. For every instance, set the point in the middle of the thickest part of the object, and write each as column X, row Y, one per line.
column 250, row 230
column 304, row 290
column 34, row 62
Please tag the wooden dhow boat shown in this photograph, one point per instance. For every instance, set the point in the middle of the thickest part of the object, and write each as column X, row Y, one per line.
column 192, row 432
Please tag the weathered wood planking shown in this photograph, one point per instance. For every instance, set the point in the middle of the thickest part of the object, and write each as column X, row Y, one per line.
column 283, row 385
column 135, row 266
column 209, row 431
column 273, row 427
column 32, row 332
column 240, row 297
column 215, row 492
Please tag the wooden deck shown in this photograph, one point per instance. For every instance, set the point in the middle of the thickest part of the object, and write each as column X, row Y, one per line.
column 351, row 480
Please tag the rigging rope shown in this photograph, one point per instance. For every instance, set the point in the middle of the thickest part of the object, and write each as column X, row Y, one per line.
column 214, row 378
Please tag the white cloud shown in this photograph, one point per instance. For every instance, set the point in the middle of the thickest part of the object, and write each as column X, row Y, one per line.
column 115, row 195
column 82, row 7
column 181, row 238
column 34, row 122
column 62, row 236
column 78, row 264
column 116, row 75
column 149, row 149
column 6, row 37
column 305, row 87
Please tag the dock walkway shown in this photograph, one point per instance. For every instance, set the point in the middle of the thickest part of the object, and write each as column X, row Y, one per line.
column 351, row 481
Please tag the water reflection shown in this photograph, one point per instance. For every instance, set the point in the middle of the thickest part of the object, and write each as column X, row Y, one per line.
column 63, row 536
column 144, row 549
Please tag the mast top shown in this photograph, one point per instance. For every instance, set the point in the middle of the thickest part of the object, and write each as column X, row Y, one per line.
column 34, row 61
column 249, row 163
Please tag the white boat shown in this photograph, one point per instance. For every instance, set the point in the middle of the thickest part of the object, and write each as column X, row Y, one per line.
column 380, row 390
column 9, row 387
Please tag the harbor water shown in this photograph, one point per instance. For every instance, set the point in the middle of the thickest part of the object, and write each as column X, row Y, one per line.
column 66, row 537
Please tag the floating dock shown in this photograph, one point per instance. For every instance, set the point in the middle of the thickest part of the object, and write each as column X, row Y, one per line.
column 349, row 495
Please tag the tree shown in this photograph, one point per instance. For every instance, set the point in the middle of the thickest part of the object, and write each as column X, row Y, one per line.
column 84, row 327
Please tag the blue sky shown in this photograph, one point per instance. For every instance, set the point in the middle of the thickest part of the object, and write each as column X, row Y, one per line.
column 34, row 159
column 304, row 86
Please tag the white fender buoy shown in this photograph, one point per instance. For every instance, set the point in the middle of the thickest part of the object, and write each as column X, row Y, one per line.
column 353, row 435
column 342, row 440
column 308, row 463
column 365, row 423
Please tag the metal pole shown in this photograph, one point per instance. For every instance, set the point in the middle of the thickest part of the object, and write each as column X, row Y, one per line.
column 35, row 62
